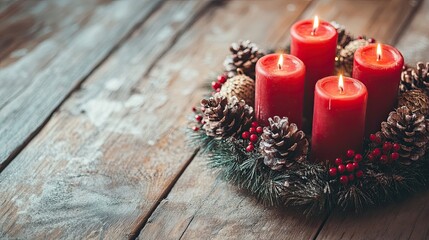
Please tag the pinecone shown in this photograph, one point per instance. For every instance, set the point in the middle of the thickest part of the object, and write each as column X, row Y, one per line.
column 225, row 118
column 409, row 130
column 244, row 55
column 344, row 37
column 415, row 100
column 415, row 78
column 344, row 60
column 282, row 144
column 240, row 86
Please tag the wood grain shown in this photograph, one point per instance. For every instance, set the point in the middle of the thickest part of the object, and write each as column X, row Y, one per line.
column 105, row 159
column 50, row 47
column 407, row 219
column 201, row 207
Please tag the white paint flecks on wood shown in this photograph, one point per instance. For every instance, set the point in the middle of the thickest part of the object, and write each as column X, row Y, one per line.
column 104, row 159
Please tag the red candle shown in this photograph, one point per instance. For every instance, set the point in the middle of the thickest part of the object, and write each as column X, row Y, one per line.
column 339, row 117
column 381, row 74
column 315, row 44
column 279, row 89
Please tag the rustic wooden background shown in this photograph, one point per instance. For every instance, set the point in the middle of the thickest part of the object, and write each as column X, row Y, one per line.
column 94, row 100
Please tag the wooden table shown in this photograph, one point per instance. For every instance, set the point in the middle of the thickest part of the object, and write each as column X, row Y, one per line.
column 94, row 100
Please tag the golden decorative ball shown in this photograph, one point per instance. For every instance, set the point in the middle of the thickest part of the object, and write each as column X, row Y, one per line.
column 240, row 86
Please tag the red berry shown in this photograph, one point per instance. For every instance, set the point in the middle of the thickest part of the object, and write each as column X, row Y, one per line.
column 221, row 79
column 252, row 130
column 350, row 153
column 371, row 157
column 360, row 37
column 253, row 138
column 387, row 146
column 216, row 85
column 250, row 148
column 338, row 161
column 245, row 135
column 394, row 156
column 341, row 168
column 194, row 109
column 259, row 129
column 332, row 172
column 372, row 137
column 344, row 180
column 198, row 118
column 351, row 177
column 255, row 124
column 384, row 159
column 376, row 152
column 371, row 40
column 355, row 165
column 195, row 128
column 350, row 167
column 359, row 173
column 358, row 158
column 218, row 90
column 396, row 147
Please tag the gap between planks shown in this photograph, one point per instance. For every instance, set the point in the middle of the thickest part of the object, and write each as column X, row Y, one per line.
column 114, row 48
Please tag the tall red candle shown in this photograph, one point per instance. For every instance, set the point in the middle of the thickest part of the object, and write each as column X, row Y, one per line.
column 339, row 117
column 279, row 89
column 381, row 74
column 316, row 47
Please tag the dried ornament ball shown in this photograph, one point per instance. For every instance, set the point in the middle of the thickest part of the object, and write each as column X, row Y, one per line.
column 240, row 86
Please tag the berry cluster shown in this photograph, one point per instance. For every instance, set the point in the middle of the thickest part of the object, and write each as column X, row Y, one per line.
column 198, row 118
column 370, row 40
column 252, row 135
column 348, row 170
column 383, row 152
column 221, row 79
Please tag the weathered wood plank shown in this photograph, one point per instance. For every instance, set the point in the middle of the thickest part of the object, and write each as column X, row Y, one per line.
column 50, row 47
column 414, row 42
column 407, row 219
column 105, row 159
column 198, row 206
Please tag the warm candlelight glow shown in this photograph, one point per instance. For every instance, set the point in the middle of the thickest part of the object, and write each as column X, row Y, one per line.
column 378, row 52
column 280, row 62
column 315, row 25
column 341, row 84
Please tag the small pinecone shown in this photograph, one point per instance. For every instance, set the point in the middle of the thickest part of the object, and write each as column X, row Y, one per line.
column 282, row 144
column 344, row 37
column 225, row 118
column 409, row 130
column 415, row 78
column 240, row 86
column 244, row 55
column 415, row 100
column 344, row 60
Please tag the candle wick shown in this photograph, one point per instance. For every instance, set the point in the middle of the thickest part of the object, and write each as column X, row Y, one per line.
column 378, row 57
column 280, row 66
column 313, row 32
column 341, row 90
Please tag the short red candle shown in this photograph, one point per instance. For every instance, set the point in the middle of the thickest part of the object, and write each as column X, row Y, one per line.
column 317, row 51
column 339, row 118
column 381, row 76
column 279, row 89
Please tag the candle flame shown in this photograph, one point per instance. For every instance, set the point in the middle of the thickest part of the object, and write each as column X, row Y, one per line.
column 341, row 84
column 280, row 62
column 315, row 25
column 378, row 52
